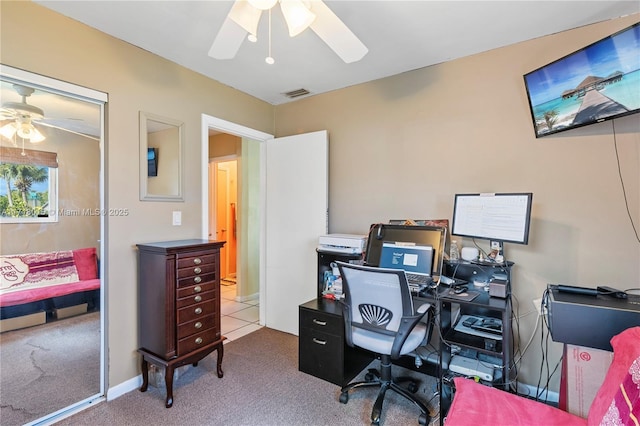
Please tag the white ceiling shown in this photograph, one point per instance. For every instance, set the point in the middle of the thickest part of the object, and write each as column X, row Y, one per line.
column 400, row 35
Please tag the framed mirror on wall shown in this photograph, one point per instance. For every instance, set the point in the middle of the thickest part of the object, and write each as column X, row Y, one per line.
column 161, row 168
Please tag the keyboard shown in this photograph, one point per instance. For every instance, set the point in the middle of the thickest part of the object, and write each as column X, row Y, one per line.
column 418, row 280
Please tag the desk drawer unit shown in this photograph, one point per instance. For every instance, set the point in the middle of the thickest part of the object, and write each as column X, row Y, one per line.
column 323, row 352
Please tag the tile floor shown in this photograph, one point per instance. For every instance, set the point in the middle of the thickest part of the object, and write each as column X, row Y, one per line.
column 238, row 318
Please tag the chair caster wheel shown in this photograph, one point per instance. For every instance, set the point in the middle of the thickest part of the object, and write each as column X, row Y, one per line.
column 423, row 420
column 412, row 387
column 344, row 397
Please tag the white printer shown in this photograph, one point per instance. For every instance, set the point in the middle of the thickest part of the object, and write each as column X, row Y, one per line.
column 342, row 243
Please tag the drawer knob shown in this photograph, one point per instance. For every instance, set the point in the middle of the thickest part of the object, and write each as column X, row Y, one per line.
column 197, row 298
column 322, row 323
column 197, row 261
column 197, row 280
column 198, row 324
column 319, row 342
column 198, row 340
column 197, row 289
column 197, row 270
column 198, row 311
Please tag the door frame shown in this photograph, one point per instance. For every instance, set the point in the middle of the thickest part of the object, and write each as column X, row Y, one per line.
column 224, row 126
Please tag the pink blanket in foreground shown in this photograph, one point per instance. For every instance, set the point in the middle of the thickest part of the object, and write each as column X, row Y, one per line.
column 478, row 405
column 37, row 294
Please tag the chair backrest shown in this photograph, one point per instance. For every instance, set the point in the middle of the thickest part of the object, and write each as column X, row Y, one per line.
column 376, row 299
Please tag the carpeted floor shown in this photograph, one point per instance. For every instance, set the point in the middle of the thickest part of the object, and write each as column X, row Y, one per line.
column 48, row 367
column 261, row 386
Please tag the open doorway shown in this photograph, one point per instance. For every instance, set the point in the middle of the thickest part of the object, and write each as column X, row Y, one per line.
column 276, row 239
column 223, row 214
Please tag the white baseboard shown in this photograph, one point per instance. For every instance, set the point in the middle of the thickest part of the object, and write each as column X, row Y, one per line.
column 124, row 387
column 254, row 296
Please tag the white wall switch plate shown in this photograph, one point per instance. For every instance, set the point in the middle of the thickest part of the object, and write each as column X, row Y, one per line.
column 177, row 218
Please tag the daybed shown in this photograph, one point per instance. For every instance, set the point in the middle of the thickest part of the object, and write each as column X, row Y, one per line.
column 37, row 287
column 617, row 402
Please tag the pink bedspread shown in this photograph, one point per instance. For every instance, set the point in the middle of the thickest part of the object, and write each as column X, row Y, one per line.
column 34, row 295
column 32, row 277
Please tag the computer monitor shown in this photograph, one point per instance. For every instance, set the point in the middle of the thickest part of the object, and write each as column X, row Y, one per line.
column 434, row 236
column 499, row 218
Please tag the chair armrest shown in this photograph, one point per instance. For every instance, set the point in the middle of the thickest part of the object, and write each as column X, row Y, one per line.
column 406, row 325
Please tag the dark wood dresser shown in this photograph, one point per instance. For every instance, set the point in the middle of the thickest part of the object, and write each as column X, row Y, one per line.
column 179, row 306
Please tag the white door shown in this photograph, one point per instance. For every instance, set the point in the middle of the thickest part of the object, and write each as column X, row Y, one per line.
column 296, row 214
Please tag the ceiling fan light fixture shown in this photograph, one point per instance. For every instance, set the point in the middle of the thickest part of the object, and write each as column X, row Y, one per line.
column 245, row 15
column 263, row 4
column 9, row 130
column 27, row 131
column 297, row 16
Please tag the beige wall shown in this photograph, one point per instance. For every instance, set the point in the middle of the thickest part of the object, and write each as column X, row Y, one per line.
column 78, row 192
column 38, row 40
column 401, row 147
column 222, row 145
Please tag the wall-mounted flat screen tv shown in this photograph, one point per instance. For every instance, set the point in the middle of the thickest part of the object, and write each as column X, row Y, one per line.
column 152, row 160
column 596, row 83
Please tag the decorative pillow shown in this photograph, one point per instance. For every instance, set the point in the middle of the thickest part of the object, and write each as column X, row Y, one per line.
column 86, row 261
column 625, row 407
column 618, row 399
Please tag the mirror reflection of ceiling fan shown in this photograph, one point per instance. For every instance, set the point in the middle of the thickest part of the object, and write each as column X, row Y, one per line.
column 21, row 119
column 242, row 22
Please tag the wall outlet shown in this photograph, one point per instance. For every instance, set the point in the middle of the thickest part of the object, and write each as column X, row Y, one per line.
column 538, row 304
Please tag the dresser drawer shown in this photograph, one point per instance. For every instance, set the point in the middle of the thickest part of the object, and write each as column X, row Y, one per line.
column 197, row 340
column 197, row 311
column 205, row 297
column 321, row 321
column 196, row 289
column 194, row 270
column 187, row 260
column 196, row 326
column 198, row 279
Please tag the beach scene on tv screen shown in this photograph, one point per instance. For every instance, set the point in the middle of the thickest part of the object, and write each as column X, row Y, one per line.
column 593, row 84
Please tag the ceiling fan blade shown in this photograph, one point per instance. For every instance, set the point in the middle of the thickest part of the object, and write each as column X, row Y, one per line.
column 6, row 114
column 336, row 34
column 53, row 126
column 242, row 19
column 228, row 41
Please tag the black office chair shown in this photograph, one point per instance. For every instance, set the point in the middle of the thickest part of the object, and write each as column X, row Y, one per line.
column 379, row 317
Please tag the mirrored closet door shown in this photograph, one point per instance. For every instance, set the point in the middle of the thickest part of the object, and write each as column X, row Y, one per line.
column 51, row 246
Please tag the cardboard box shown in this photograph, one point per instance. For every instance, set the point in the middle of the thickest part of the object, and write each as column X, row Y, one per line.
column 584, row 372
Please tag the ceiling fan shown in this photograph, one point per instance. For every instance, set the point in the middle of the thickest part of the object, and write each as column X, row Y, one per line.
column 26, row 118
column 244, row 16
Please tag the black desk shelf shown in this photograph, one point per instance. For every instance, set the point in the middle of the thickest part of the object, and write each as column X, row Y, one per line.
column 451, row 310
